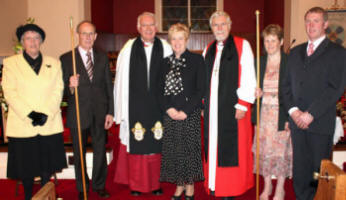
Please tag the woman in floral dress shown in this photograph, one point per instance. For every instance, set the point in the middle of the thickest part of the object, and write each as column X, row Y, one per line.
column 275, row 155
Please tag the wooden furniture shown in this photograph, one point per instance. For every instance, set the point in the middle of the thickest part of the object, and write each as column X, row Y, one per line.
column 47, row 192
column 331, row 182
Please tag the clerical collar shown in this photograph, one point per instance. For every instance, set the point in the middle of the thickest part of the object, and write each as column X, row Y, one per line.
column 221, row 43
column 147, row 44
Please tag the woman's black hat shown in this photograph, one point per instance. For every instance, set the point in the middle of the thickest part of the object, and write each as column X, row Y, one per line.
column 29, row 27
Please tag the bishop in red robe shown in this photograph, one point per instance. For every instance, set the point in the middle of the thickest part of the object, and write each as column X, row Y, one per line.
column 231, row 86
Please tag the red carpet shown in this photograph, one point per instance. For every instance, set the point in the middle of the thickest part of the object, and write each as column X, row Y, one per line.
column 66, row 188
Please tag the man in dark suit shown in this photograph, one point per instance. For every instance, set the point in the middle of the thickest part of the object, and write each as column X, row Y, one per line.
column 311, row 88
column 95, row 90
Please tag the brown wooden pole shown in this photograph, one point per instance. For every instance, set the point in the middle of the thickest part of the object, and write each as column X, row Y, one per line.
column 258, row 102
column 77, row 110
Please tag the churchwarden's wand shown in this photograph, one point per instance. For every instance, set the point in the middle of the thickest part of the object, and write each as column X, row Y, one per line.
column 77, row 110
column 258, row 102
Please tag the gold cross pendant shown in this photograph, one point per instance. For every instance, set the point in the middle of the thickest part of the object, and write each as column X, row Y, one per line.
column 216, row 71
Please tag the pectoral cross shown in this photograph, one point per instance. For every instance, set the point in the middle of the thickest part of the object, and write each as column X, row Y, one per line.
column 216, row 71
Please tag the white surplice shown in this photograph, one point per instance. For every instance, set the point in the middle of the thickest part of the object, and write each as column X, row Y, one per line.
column 121, row 87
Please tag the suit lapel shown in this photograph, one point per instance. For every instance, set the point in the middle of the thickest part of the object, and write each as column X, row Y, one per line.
column 96, row 64
column 320, row 49
column 304, row 55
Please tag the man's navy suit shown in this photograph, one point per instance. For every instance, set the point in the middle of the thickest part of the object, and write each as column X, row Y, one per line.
column 314, row 84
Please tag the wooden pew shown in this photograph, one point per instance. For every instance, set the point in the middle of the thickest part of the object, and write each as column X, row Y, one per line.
column 331, row 182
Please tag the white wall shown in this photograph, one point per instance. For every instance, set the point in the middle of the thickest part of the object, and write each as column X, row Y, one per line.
column 52, row 15
column 12, row 14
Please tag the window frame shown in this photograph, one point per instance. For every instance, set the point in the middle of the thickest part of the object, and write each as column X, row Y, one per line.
column 158, row 15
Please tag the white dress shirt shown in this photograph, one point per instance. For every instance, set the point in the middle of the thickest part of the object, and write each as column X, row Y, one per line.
column 83, row 54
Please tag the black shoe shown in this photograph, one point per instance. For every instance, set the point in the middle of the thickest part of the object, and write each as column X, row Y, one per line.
column 176, row 197
column 103, row 193
column 81, row 196
column 227, row 198
column 157, row 192
column 135, row 193
column 189, row 197
column 212, row 193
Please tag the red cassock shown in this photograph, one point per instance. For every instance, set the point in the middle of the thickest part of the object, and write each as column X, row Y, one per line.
column 234, row 181
column 140, row 172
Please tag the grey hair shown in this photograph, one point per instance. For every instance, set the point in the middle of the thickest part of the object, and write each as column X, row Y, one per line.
column 145, row 14
column 219, row 13
column 22, row 38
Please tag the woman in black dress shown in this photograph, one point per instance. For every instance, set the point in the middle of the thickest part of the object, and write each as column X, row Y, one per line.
column 181, row 89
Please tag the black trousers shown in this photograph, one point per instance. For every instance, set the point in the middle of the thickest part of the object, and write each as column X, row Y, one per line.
column 99, row 171
column 308, row 151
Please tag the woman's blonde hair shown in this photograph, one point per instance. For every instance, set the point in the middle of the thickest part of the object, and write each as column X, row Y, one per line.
column 178, row 27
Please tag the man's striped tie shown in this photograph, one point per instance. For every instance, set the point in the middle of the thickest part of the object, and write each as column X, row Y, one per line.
column 90, row 66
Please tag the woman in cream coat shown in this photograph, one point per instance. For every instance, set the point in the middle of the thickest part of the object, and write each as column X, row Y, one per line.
column 33, row 89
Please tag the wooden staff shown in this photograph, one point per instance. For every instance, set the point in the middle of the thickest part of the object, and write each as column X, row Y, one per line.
column 77, row 110
column 258, row 102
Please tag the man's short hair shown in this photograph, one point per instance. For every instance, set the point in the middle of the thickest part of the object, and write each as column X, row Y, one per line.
column 317, row 10
column 85, row 22
column 145, row 14
column 219, row 13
